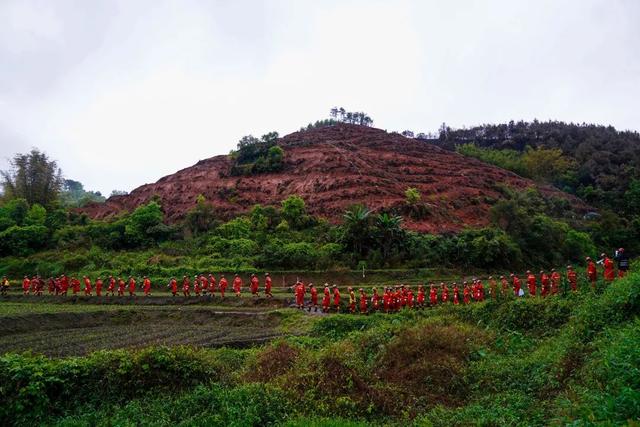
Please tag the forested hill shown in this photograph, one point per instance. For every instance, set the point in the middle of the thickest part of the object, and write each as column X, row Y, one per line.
column 605, row 161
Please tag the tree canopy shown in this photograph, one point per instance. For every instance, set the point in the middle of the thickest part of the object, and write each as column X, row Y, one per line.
column 33, row 177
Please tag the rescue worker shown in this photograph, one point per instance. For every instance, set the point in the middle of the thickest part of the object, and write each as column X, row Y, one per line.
column 26, row 285
column 592, row 272
column 375, row 300
column 112, row 286
column 121, row 286
column 505, row 286
column 223, row 285
column 173, row 285
column 255, row 285
column 363, row 302
column 313, row 292
column 555, row 281
column 4, row 286
column 99, row 287
column 352, row 300
column 466, row 293
column 299, row 292
column 493, row 287
column 186, row 285
column 456, row 294
column 87, row 286
column 433, row 295
column 623, row 262
column 196, row 286
column 609, row 273
column 336, row 298
column 212, row 285
column 237, row 285
column 531, row 283
column 326, row 299
column 132, row 287
column 516, row 285
column 75, row 285
column 204, row 284
column 146, row 286
column 267, row 285
column 420, row 297
column 445, row 293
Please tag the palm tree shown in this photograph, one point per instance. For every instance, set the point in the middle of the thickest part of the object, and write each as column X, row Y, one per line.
column 389, row 232
column 357, row 227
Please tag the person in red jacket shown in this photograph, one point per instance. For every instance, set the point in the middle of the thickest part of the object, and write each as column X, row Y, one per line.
column 26, row 285
column 493, row 287
column 313, row 292
column 609, row 268
column 212, row 285
column 299, row 290
column 237, row 285
column 363, row 302
column 516, row 285
column 51, row 286
column 480, row 290
column 398, row 298
column 65, row 284
column 445, row 293
column 420, row 297
column 592, row 272
column 572, row 278
column 375, row 300
column 336, row 298
column 352, row 300
column 410, row 298
column 386, row 300
column 146, row 286
column 456, row 294
column 75, row 285
column 555, row 281
column 223, row 285
column 204, row 284
column 111, row 288
column 255, row 285
column 121, row 286
column 466, row 293
column 196, row 285
column 132, row 287
column 433, row 295
column 531, row 283
column 173, row 285
column 326, row 298
column 267, row 286
column 505, row 286
column 38, row 285
column 99, row 287
column 186, row 285
column 87, row 285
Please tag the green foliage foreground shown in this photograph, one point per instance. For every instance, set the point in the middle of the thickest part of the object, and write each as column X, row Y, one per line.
column 567, row 360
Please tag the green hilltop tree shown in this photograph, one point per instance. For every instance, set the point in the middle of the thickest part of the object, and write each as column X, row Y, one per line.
column 33, row 177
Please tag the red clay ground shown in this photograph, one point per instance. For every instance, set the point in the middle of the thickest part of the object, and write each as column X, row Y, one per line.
column 333, row 168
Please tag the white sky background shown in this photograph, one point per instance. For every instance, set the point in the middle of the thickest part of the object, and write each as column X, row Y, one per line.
column 124, row 92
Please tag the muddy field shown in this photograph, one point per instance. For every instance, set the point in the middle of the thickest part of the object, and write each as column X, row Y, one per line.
column 78, row 332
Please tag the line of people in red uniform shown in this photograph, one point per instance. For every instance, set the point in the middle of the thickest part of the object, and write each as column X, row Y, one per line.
column 395, row 298
column 202, row 285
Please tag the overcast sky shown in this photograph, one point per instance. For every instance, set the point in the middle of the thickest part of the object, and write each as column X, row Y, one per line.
column 122, row 93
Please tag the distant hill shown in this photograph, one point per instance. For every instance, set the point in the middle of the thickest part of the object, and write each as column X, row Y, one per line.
column 608, row 160
column 337, row 166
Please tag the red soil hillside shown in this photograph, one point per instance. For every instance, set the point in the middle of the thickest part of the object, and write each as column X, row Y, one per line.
column 332, row 168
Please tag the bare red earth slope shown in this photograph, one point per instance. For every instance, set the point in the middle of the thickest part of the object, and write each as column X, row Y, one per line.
column 334, row 167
